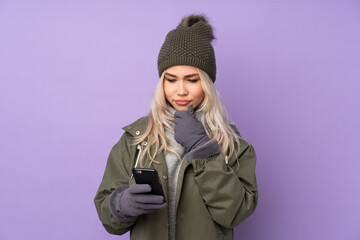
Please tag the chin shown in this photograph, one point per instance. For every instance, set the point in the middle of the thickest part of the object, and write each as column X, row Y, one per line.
column 182, row 108
column 178, row 108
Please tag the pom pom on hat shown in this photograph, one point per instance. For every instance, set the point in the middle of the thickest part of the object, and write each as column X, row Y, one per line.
column 189, row 44
column 195, row 18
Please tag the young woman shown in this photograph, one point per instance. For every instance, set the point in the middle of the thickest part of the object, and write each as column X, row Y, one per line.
column 206, row 169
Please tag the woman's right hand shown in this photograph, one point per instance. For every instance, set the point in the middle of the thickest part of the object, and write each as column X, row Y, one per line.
column 126, row 203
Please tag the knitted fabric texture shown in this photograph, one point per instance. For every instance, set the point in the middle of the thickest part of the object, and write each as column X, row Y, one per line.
column 189, row 46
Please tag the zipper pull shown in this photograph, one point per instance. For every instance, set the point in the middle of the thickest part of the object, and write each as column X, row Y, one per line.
column 137, row 159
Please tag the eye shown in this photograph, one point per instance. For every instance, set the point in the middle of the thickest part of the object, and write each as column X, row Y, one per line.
column 170, row 80
column 193, row 80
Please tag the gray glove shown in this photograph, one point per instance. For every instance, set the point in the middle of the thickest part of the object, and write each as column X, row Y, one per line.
column 190, row 133
column 126, row 203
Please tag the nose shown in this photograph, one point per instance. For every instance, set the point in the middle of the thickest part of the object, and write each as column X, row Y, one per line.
column 182, row 89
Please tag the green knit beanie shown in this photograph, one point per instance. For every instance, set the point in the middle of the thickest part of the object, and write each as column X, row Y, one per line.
column 189, row 44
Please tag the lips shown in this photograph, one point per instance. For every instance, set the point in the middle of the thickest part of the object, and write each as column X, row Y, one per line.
column 182, row 102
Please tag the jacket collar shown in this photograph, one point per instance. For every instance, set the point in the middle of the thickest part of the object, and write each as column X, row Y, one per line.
column 138, row 127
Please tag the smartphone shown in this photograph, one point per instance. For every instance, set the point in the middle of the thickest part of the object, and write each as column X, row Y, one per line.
column 148, row 176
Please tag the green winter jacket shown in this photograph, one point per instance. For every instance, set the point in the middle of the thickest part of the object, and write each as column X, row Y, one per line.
column 212, row 197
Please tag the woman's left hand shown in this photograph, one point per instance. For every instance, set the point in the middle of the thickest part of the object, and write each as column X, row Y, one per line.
column 189, row 131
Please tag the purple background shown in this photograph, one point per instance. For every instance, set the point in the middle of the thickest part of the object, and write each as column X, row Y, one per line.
column 73, row 73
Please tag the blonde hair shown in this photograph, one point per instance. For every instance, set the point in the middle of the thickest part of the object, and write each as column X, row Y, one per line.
column 214, row 119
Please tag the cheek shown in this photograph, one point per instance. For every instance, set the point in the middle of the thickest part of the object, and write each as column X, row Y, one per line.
column 167, row 91
column 199, row 93
column 201, row 96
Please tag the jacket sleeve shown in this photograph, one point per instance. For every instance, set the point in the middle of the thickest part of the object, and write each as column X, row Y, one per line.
column 228, row 190
column 117, row 173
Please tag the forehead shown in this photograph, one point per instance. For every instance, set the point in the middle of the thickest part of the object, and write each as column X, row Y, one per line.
column 181, row 70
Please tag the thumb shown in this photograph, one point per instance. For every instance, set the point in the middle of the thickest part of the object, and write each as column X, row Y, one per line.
column 191, row 111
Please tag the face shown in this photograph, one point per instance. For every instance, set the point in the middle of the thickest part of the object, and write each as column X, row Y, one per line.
column 182, row 87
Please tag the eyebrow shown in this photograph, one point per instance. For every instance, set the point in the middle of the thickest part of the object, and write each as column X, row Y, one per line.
column 187, row 76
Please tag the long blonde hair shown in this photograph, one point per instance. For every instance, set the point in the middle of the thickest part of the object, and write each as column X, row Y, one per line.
column 214, row 119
